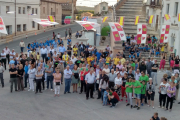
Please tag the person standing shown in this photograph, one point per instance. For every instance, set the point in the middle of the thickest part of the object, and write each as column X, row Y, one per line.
column 171, row 92
column 3, row 59
column 150, row 88
column 103, row 85
column 90, row 79
column 67, row 79
column 39, row 75
column 13, row 72
column 26, row 75
column 66, row 34
column 1, row 75
column 43, row 53
column 12, row 54
column 149, row 65
column 7, row 51
column 31, row 73
column 22, row 45
column 129, row 91
column 154, row 71
column 58, row 36
column 20, row 73
column 70, row 32
column 75, row 77
column 112, row 77
column 61, row 70
column 49, row 72
column 57, row 82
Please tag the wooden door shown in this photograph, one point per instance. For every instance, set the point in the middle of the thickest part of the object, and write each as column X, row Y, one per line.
column 157, row 20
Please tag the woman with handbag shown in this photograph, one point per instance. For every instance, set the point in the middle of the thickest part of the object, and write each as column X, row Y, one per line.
column 171, row 92
column 150, row 88
column 75, row 78
column 57, row 82
column 20, row 76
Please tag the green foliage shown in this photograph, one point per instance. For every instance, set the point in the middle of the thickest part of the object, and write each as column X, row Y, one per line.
column 81, row 11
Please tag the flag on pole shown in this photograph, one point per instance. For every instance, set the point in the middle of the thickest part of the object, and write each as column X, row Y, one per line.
column 121, row 21
column 51, row 18
column 167, row 17
column 179, row 17
column 136, row 20
column 151, row 17
column 141, row 33
column 104, row 19
column 85, row 18
column 164, row 33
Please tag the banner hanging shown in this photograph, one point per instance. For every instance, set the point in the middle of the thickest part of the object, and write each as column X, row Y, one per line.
column 141, row 33
column 2, row 26
column 164, row 33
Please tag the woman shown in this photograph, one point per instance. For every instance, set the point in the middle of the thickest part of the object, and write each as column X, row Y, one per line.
column 172, row 61
column 117, row 70
column 163, row 92
column 162, row 63
column 177, row 61
column 171, row 92
column 57, row 82
column 150, row 88
column 20, row 79
column 123, row 88
column 129, row 91
column 39, row 75
column 75, row 78
column 82, row 79
column 177, row 84
column 118, row 83
column 114, row 67
column 103, row 85
column 75, row 50
column 31, row 73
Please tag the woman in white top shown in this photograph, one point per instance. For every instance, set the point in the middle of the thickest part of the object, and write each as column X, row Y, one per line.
column 107, row 70
column 17, row 58
column 117, row 70
column 51, row 50
column 118, row 83
column 31, row 73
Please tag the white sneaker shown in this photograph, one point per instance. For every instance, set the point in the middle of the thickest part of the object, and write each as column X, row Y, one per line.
column 29, row 90
column 148, row 105
column 33, row 90
column 162, row 107
column 153, row 107
column 159, row 106
column 51, row 89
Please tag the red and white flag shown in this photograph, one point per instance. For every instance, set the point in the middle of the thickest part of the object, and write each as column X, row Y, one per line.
column 141, row 33
column 117, row 31
column 2, row 26
column 164, row 33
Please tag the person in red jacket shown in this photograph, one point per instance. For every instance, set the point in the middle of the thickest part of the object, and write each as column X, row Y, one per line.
column 114, row 98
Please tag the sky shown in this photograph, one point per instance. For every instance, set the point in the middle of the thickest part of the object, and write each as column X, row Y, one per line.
column 92, row 3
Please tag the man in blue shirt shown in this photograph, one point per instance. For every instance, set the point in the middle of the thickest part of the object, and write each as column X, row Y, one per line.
column 41, row 44
column 128, row 38
column 98, row 54
column 26, row 68
column 62, row 49
column 69, row 41
column 154, row 39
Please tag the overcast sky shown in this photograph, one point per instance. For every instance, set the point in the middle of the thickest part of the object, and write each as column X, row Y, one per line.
column 92, row 3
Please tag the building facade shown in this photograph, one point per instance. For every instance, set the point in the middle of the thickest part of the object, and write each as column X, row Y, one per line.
column 101, row 7
column 21, row 19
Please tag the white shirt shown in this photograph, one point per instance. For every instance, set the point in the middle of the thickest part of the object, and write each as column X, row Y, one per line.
column 107, row 71
column 51, row 50
column 58, row 36
column 90, row 49
column 3, row 54
column 90, row 78
column 73, row 60
column 164, row 89
column 122, row 73
column 43, row 51
column 31, row 73
column 116, row 72
column 7, row 51
column 152, row 61
column 118, row 81
column 11, row 57
column 97, row 77
column 138, row 76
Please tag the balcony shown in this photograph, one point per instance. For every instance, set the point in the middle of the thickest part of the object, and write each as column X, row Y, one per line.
column 153, row 3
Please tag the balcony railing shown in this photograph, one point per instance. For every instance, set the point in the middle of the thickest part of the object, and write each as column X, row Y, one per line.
column 153, row 3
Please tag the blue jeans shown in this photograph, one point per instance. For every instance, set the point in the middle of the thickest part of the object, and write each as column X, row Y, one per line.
column 105, row 100
column 22, row 48
column 102, row 93
column 67, row 84
column 50, row 79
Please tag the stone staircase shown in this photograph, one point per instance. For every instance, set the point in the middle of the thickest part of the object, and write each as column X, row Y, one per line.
column 129, row 10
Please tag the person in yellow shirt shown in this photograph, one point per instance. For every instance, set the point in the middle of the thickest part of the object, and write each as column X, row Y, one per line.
column 75, row 50
column 108, row 59
column 89, row 60
column 162, row 49
column 123, row 60
column 65, row 58
column 116, row 60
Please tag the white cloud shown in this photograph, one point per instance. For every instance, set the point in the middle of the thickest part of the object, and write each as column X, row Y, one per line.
column 92, row 3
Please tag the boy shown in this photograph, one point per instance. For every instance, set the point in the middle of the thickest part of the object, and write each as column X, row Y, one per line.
column 143, row 92
column 105, row 96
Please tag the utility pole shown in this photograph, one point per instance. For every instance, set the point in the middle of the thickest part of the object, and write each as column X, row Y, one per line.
column 15, row 17
column 72, row 11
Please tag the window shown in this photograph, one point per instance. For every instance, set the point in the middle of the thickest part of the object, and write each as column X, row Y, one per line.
column 24, row 10
column 24, row 27
column 32, row 10
column 51, row 10
column 36, row 11
column 33, row 24
column 104, row 8
column 167, row 9
column 19, row 10
column 19, row 28
column 176, row 9
column 57, row 11
column 44, row 10
column 7, row 9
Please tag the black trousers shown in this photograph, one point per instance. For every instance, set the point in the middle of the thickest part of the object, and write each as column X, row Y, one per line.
column 99, row 92
column 38, row 85
column 7, row 57
column 162, row 99
column 2, row 79
column 89, row 88
column 43, row 57
column 83, row 86
column 111, row 84
column 4, row 63
column 25, row 80
column 169, row 100
column 113, row 101
column 42, row 81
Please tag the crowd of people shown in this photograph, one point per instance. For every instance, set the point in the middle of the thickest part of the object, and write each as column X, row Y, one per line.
column 115, row 77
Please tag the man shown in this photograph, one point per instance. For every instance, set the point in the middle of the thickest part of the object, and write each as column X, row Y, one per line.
column 132, row 53
column 116, row 60
column 13, row 72
column 3, row 59
column 66, row 34
column 22, row 45
column 26, row 68
column 61, row 70
column 112, row 77
column 130, row 75
column 143, row 77
column 7, row 51
column 58, row 36
column 90, row 80
column 70, row 32
column 138, row 74
column 39, row 75
column 100, row 63
column 122, row 72
column 81, row 47
column 73, row 59
column 155, row 67
column 137, row 90
column 1, row 75
column 69, row 50
column 65, row 58
column 106, row 53
column 149, row 65
column 86, row 53
column 49, row 72
column 43, row 53
column 62, row 49
column 67, row 79
column 98, row 54
column 108, row 48
column 138, row 53
column 155, row 116
column 12, row 54
column 128, row 39
column 12, row 61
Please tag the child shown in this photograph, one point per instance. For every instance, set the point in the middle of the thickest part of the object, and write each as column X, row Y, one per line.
column 143, row 92
column 105, row 96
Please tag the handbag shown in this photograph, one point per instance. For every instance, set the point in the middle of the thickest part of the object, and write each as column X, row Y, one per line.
column 57, row 83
